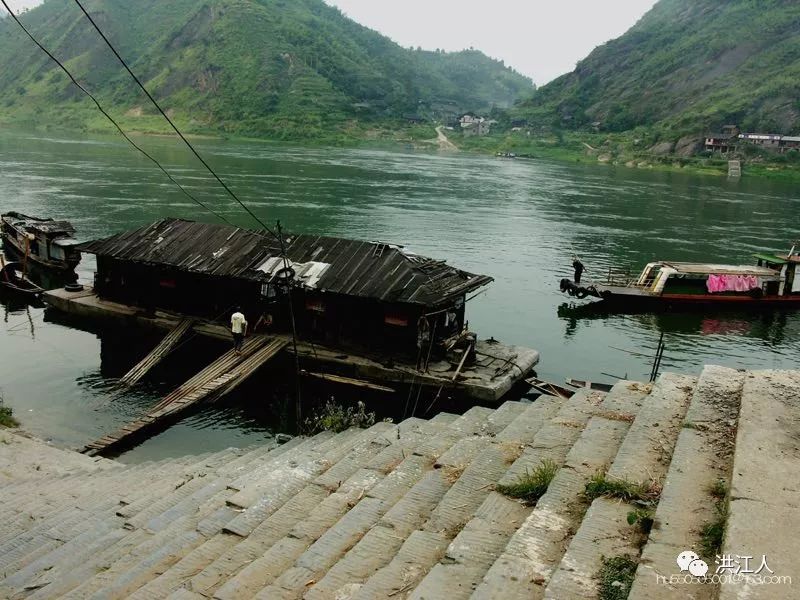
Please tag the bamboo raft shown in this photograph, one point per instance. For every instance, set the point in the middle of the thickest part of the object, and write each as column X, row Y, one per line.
column 158, row 353
column 215, row 381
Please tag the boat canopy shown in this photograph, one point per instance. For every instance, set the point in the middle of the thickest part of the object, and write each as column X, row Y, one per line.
column 771, row 259
column 712, row 269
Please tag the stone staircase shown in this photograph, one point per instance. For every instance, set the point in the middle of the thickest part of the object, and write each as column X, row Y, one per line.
column 413, row 510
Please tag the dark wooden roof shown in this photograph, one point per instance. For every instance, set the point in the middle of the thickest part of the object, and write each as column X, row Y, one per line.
column 38, row 224
column 356, row 268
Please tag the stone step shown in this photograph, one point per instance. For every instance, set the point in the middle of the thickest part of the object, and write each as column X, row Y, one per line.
column 466, row 472
column 240, row 552
column 346, row 490
column 536, row 538
column 396, row 461
column 472, row 552
column 93, row 493
column 472, row 422
column 444, row 418
column 503, row 416
column 643, row 456
column 304, row 445
column 286, row 479
column 177, row 516
column 518, row 569
column 522, row 429
column 399, row 577
column 23, row 458
column 161, row 556
column 29, row 573
column 313, row 563
column 121, row 546
column 43, row 539
column 701, row 458
column 457, row 482
column 250, row 487
column 137, row 566
column 243, row 552
column 764, row 498
column 384, row 540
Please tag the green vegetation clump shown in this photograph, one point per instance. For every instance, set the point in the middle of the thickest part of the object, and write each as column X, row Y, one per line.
column 629, row 491
column 616, row 577
column 7, row 416
column 531, row 486
column 642, row 518
column 337, row 418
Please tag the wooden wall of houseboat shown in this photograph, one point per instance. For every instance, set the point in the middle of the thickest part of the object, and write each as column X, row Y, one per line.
column 331, row 319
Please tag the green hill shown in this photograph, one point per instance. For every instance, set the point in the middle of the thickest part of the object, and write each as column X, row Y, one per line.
column 274, row 68
column 687, row 66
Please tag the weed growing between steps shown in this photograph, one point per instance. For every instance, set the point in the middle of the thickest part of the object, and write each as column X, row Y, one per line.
column 599, row 486
column 335, row 417
column 616, row 577
column 712, row 534
column 531, row 486
column 642, row 518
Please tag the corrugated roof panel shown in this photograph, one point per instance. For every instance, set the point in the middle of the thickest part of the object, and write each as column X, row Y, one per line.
column 357, row 268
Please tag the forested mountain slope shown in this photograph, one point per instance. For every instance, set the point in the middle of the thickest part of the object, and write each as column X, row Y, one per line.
column 687, row 65
column 282, row 68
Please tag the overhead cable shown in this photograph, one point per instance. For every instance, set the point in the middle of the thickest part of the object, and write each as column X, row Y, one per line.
column 174, row 127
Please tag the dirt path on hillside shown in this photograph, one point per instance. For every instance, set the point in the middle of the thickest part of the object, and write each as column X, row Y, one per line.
column 444, row 143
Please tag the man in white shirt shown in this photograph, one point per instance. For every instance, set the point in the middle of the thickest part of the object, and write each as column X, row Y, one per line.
column 238, row 329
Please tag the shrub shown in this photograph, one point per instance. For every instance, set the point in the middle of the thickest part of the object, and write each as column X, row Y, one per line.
column 335, row 417
column 7, row 416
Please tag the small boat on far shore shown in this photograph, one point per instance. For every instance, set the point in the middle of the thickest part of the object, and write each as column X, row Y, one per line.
column 45, row 242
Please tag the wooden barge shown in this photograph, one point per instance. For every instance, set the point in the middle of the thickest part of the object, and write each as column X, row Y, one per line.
column 366, row 310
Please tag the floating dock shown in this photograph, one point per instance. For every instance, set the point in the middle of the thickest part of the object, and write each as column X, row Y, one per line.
column 216, row 380
column 498, row 368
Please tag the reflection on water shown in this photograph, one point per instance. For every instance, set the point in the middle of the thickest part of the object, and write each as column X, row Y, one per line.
column 519, row 221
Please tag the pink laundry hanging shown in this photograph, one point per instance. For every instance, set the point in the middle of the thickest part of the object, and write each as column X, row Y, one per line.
column 732, row 283
column 714, row 284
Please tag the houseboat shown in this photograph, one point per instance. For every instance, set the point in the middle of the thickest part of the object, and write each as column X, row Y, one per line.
column 369, row 310
column 46, row 243
column 771, row 281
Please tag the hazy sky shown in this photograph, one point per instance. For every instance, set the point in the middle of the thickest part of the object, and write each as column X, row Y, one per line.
column 540, row 38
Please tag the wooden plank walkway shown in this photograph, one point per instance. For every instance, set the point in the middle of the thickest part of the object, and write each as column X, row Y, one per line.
column 158, row 353
column 217, row 379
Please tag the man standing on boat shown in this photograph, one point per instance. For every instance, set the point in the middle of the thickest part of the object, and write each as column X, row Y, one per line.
column 238, row 329
column 579, row 269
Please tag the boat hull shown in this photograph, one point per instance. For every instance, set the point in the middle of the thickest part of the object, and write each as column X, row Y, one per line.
column 633, row 297
column 12, row 279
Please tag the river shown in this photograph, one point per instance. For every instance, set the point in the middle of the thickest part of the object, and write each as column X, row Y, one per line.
column 519, row 221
